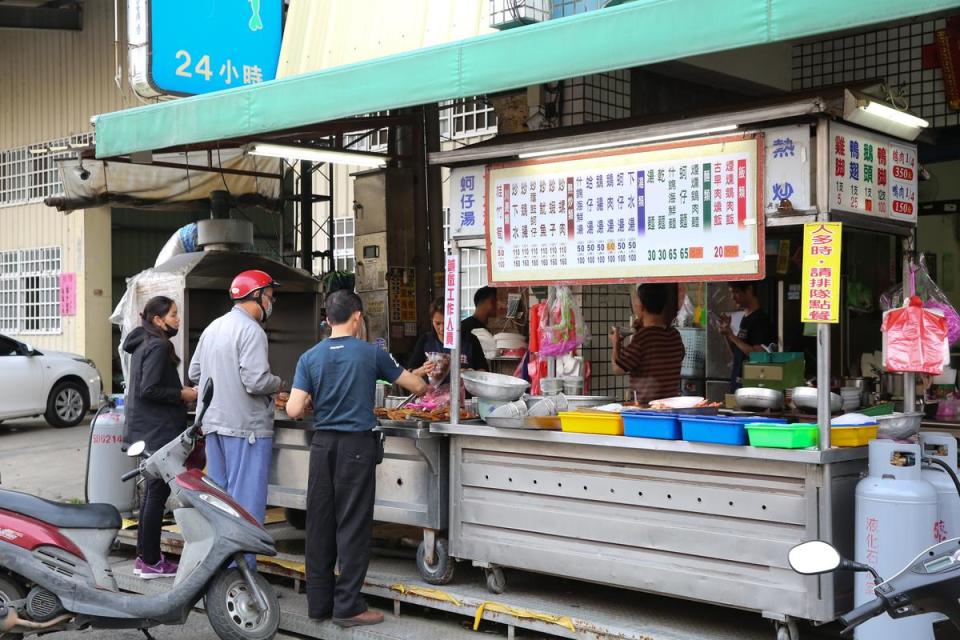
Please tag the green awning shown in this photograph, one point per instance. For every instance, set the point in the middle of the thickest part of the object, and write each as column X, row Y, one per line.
column 632, row 34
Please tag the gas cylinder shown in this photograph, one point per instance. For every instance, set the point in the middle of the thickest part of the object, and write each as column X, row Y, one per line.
column 107, row 461
column 943, row 446
column 896, row 510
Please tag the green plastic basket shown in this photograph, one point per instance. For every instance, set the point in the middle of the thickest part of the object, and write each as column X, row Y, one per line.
column 782, row 436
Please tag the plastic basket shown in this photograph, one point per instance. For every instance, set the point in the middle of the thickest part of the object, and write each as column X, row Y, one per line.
column 720, row 429
column 695, row 345
column 651, row 424
column 601, row 423
column 782, row 436
column 853, row 436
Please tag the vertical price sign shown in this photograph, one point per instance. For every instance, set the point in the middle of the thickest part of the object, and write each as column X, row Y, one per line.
column 451, row 286
column 822, row 242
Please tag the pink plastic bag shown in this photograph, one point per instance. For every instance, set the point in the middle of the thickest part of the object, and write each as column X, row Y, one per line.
column 915, row 338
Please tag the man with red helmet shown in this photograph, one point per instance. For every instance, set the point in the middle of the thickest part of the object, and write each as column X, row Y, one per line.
column 233, row 352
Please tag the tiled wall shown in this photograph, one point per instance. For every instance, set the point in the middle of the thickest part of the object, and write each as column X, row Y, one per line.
column 892, row 56
column 603, row 306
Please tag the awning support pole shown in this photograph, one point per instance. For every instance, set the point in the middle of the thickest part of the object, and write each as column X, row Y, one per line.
column 909, row 378
column 455, row 351
column 306, row 216
column 823, row 329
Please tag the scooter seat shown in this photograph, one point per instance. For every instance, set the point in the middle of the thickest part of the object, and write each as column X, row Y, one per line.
column 64, row 516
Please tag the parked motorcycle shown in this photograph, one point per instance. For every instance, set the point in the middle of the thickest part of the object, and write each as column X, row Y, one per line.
column 929, row 584
column 55, row 573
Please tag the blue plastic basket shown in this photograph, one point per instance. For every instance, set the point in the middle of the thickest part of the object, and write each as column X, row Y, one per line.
column 720, row 429
column 651, row 424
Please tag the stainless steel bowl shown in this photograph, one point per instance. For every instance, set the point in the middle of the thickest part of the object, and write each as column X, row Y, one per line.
column 806, row 398
column 759, row 398
column 493, row 386
column 899, row 426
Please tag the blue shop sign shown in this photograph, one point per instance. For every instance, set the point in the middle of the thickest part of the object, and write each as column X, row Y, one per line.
column 209, row 45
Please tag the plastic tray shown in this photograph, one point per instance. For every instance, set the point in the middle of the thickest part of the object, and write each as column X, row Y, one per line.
column 720, row 429
column 852, row 436
column 596, row 422
column 782, row 436
column 651, row 424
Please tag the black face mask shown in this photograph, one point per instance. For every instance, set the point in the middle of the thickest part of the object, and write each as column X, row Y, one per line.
column 170, row 331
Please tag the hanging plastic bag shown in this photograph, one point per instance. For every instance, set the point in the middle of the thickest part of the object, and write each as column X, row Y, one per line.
column 914, row 339
column 923, row 285
column 562, row 329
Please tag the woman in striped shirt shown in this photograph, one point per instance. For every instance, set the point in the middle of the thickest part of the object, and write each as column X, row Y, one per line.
column 655, row 353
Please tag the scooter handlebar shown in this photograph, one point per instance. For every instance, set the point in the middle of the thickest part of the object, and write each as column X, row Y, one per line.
column 130, row 475
column 863, row 613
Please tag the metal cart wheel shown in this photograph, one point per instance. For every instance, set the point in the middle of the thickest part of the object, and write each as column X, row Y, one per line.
column 788, row 630
column 496, row 581
column 441, row 570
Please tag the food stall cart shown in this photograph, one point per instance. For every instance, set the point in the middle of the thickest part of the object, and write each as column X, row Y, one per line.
column 706, row 522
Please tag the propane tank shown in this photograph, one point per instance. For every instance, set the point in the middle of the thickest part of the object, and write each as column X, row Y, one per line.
column 107, row 461
column 943, row 446
column 896, row 512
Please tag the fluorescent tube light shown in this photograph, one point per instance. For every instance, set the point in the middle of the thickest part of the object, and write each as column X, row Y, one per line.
column 332, row 156
column 889, row 113
column 626, row 143
column 873, row 113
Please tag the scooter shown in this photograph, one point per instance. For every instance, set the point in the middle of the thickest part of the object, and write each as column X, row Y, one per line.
column 929, row 584
column 57, row 556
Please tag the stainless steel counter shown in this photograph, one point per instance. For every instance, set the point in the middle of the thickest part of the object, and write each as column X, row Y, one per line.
column 412, row 481
column 705, row 522
column 804, row 456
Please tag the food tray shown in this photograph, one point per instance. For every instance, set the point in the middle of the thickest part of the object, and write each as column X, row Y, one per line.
column 506, row 423
column 407, row 424
column 651, row 424
column 719, row 430
column 782, row 436
column 595, row 422
column 853, row 436
column 547, row 423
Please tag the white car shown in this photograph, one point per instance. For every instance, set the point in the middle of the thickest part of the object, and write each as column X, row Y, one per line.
column 62, row 387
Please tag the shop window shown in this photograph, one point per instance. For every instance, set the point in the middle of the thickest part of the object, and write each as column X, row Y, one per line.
column 30, row 291
column 467, row 118
column 343, row 233
column 30, row 173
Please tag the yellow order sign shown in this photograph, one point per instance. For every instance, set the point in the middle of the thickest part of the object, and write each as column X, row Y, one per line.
column 822, row 242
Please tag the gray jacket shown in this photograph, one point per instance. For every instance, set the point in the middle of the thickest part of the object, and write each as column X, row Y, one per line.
column 233, row 351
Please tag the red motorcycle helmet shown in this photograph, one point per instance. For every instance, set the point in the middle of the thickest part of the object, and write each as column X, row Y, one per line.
column 247, row 283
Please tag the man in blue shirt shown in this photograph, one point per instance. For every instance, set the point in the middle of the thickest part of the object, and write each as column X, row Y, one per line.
column 340, row 375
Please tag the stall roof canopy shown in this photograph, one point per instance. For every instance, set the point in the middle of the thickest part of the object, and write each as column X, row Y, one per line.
column 632, row 34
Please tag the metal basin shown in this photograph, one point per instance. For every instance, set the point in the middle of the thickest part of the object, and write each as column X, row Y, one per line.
column 494, row 386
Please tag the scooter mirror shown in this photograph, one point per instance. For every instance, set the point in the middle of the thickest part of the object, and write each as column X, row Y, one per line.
column 136, row 449
column 814, row 557
column 208, row 392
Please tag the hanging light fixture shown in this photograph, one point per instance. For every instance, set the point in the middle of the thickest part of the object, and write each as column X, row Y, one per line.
column 332, row 156
column 873, row 113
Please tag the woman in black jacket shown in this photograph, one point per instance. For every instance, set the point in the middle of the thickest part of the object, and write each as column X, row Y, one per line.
column 156, row 413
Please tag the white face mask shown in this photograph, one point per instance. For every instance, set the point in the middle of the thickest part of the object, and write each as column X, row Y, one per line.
column 267, row 310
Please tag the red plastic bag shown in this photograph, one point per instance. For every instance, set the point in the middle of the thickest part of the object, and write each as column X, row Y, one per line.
column 914, row 339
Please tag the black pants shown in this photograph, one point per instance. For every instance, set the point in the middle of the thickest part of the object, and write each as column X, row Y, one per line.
column 152, row 509
column 340, row 496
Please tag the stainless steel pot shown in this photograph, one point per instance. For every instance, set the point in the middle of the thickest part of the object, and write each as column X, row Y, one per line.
column 891, row 384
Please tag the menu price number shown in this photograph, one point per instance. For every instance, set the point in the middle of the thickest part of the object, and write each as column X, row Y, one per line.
column 660, row 255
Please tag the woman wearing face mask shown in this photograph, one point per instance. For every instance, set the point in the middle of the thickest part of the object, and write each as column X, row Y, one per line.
column 471, row 353
column 156, row 412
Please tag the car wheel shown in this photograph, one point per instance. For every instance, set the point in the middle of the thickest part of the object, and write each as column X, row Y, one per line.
column 67, row 404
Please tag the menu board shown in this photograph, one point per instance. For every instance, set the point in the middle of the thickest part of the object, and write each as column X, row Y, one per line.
column 671, row 212
column 873, row 174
